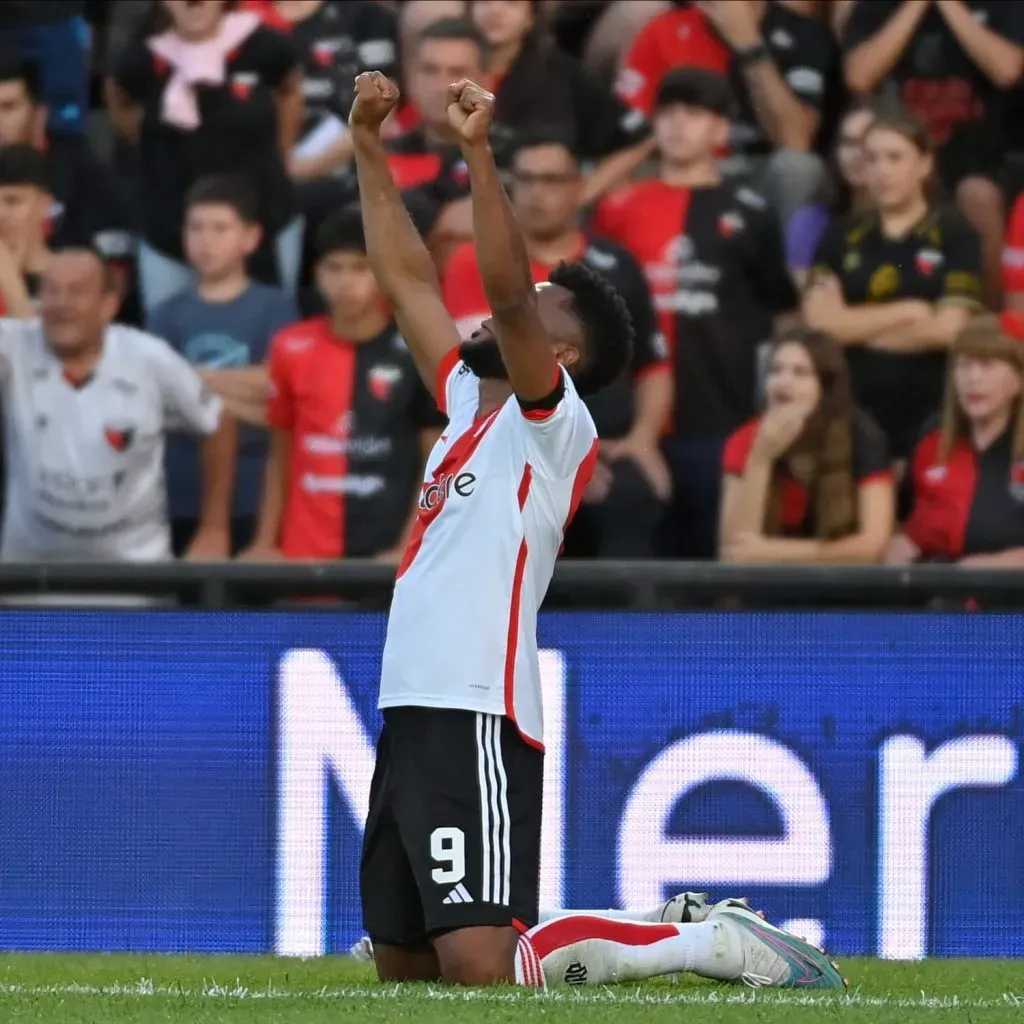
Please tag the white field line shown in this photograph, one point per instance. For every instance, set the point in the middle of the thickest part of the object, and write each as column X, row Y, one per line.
column 607, row 996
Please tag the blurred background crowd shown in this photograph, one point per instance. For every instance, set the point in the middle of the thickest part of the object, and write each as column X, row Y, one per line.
column 810, row 206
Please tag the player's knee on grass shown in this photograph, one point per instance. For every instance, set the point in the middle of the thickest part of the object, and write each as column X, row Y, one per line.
column 477, row 956
column 397, row 964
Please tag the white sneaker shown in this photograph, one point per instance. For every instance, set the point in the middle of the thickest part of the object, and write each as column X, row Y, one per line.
column 762, row 955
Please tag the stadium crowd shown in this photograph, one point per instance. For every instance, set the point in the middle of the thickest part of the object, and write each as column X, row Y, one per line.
column 810, row 207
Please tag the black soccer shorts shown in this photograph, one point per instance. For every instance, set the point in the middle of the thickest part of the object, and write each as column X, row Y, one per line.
column 452, row 837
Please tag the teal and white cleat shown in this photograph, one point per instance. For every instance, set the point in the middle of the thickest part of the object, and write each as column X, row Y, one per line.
column 686, row 908
column 768, row 957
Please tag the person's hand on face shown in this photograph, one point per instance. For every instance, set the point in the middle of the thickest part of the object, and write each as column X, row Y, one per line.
column 779, row 428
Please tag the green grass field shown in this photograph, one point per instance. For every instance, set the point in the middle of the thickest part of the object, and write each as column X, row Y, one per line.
column 209, row 990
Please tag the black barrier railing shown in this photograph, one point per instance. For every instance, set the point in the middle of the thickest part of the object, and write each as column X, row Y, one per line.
column 644, row 584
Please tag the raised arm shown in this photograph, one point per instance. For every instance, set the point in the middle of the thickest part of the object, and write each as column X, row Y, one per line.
column 399, row 258
column 504, row 265
column 871, row 59
column 1000, row 59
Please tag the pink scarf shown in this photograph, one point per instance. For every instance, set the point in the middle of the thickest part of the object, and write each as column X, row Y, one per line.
column 193, row 64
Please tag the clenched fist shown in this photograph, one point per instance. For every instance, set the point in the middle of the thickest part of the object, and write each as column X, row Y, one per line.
column 470, row 111
column 376, row 96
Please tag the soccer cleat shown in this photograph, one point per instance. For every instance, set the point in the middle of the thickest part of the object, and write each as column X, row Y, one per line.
column 362, row 950
column 686, row 908
column 768, row 957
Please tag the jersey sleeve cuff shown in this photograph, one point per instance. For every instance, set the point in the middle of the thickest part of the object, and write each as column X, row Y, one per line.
column 444, row 371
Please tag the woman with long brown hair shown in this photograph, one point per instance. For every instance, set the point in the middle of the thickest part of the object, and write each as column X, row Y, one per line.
column 809, row 481
column 967, row 475
column 895, row 283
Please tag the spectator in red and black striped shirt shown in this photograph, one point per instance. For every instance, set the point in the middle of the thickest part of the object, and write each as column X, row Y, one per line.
column 414, row 17
column 967, row 475
column 426, row 161
column 808, row 481
column 776, row 57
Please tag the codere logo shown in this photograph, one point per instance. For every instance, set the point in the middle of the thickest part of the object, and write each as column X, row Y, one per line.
column 435, row 494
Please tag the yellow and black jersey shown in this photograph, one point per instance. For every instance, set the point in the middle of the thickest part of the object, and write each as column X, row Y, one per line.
column 938, row 261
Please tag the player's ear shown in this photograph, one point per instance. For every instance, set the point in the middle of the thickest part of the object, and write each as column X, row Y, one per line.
column 567, row 355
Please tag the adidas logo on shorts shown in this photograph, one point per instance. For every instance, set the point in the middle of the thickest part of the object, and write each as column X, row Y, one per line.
column 458, row 895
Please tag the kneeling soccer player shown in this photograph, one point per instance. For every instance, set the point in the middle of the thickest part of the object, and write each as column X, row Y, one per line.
column 451, row 849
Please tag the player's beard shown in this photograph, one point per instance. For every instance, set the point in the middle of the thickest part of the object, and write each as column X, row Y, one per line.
column 483, row 357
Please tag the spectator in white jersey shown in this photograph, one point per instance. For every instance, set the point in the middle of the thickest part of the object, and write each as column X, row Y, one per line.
column 450, row 869
column 224, row 320
column 86, row 405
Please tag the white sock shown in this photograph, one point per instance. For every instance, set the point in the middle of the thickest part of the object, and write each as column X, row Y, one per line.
column 582, row 950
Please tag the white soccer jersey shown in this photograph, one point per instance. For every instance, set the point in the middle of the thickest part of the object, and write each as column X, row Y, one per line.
column 497, row 495
column 85, row 462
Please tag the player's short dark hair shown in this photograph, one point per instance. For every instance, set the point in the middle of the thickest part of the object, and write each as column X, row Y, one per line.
column 341, row 231
column 539, row 137
column 460, row 29
column 606, row 323
column 229, row 190
column 695, row 87
column 15, row 68
column 24, row 165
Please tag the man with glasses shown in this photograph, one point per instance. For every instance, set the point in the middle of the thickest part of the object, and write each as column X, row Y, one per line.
column 624, row 501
